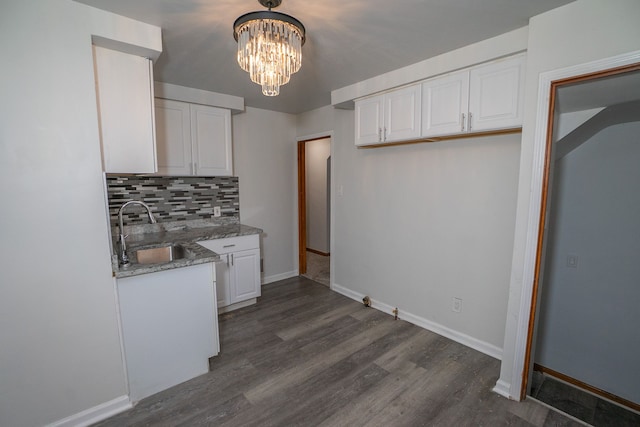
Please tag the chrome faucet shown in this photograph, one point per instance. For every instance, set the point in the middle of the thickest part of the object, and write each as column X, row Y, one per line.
column 123, row 257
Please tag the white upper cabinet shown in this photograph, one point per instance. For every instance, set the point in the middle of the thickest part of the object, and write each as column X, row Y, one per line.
column 393, row 116
column 173, row 136
column 193, row 139
column 483, row 98
column 444, row 104
column 124, row 86
column 211, row 136
column 496, row 95
column 369, row 119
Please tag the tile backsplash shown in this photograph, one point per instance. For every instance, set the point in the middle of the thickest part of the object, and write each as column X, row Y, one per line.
column 174, row 198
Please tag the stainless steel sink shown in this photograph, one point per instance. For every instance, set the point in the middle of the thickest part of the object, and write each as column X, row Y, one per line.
column 159, row 255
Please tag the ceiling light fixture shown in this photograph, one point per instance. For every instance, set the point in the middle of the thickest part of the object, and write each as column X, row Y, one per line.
column 269, row 46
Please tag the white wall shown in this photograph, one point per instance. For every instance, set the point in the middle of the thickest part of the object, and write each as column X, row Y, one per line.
column 264, row 159
column 580, row 32
column 588, row 317
column 420, row 224
column 317, row 153
column 60, row 349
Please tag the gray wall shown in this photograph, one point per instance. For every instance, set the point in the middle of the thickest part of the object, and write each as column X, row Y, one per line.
column 589, row 317
column 317, row 152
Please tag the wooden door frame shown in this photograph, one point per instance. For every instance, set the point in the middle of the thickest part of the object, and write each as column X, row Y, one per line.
column 302, row 208
column 302, row 201
column 542, row 217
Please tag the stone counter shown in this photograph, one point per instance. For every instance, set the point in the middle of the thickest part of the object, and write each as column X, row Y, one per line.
column 183, row 233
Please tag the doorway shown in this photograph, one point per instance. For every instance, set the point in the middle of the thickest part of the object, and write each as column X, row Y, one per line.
column 584, row 320
column 314, row 207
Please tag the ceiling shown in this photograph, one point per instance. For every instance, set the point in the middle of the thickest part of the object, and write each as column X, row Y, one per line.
column 347, row 40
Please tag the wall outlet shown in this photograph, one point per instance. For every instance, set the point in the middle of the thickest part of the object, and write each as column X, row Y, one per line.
column 572, row 261
column 456, row 306
column 216, row 211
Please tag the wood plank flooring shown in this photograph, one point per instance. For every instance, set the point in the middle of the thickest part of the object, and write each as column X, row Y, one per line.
column 307, row 356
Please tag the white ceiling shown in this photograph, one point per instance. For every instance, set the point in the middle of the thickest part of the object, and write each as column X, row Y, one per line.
column 347, row 40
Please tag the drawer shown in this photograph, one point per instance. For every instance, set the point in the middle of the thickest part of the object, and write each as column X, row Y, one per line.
column 232, row 244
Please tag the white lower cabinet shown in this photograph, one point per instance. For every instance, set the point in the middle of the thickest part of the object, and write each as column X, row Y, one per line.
column 238, row 272
column 169, row 327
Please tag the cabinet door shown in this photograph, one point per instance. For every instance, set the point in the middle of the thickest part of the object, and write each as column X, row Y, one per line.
column 369, row 120
column 173, row 137
column 496, row 95
column 211, row 136
column 223, row 280
column 402, row 114
column 245, row 268
column 445, row 101
column 124, row 85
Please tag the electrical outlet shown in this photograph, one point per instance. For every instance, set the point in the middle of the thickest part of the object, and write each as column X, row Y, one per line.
column 572, row 261
column 456, row 306
column 216, row 211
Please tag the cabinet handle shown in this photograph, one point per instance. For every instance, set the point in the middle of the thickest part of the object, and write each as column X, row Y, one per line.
column 385, row 134
column 231, row 259
column 462, row 125
column 195, row 168
column 379, row 134
column 470, row 118
column 228, row 246
column 227, row 259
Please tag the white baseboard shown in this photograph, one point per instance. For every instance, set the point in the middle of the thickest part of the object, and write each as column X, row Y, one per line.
column 464, row 339
column 502, row 388
column 95, row 414
column 282, row 276
column 237, row 305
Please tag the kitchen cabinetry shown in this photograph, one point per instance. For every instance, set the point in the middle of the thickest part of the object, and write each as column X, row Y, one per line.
column 193, row 139
column 238, row 275
column 169, row 327
column 445, row 102
column 393, row 116
column 483, row 98
column 124, row 87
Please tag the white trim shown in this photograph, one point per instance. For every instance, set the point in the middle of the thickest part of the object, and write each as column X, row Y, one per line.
column 274, row 278
column 95, row 414
column 236, row 306
column 502, row 388
column 535, row 199
column 459, row 337
column 198, row 96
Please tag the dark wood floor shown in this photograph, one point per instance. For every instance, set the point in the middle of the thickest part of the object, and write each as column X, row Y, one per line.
column 306, row 356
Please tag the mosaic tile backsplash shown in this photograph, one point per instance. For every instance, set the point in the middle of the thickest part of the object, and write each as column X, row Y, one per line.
column 173, row 198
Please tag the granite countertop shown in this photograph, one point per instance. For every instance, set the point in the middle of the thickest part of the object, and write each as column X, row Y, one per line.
column 185, row 234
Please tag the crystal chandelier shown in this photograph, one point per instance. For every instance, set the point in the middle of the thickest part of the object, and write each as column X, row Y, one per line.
column 269, row 46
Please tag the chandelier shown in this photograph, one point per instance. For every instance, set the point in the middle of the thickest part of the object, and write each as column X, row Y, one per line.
column 269, row 46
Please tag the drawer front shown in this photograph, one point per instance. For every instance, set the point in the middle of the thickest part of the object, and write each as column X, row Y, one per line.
column 232, row 244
